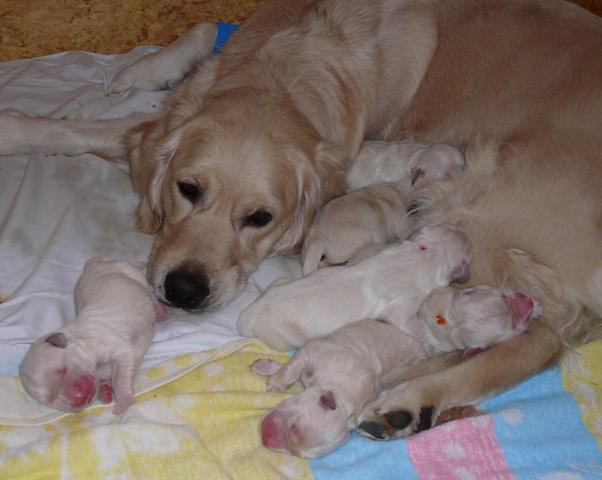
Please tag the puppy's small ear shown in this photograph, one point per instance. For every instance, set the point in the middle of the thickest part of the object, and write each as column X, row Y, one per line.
column 327, row 401
column 150, row 149
column 320, row 177
column 460, row 273
column 57, row 339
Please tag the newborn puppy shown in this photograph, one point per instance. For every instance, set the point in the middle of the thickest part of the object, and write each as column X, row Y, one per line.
column 340, row 374
column 396, row 161
column 390, row 285
column 475, row 318
column 99, row 352
column 374, row 214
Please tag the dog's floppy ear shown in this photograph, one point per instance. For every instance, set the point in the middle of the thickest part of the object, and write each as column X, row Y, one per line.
column 460, row 273
column 320, row 179
column 150, row 149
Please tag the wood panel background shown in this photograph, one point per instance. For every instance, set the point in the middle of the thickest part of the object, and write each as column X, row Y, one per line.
column 30, row 28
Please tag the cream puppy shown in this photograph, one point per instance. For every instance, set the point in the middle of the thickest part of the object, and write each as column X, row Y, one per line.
column 374, row 211
column 374, row 214
column 100, row 351
column 390, row 285
column 474, row 318
column 400, row 161
column 340, row 374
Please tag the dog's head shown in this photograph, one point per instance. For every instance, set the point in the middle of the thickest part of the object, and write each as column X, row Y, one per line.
column 237, row 182
column 310, row 424
column 475, row 317
column 57, row 373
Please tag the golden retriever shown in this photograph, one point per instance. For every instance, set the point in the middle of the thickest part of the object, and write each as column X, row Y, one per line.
column 261, row 136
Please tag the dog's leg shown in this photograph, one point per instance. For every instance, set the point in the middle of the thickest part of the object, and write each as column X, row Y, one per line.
column 168, row 67
column 415, row 405
column 425, row 367
column 20, row 133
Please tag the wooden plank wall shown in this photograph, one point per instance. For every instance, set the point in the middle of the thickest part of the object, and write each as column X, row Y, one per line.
column 30, row 28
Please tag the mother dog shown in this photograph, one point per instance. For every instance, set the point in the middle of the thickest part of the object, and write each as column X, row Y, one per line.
column 261, row 137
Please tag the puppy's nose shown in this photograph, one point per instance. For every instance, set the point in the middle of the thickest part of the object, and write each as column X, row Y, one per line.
column 185, row 289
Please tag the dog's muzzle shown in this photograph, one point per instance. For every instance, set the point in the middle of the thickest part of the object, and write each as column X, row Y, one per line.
column 185, row 289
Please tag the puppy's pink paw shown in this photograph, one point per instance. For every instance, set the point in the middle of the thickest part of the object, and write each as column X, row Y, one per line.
column 161, row 312
column 105, row 392
column 273, row 386
column 265, row 366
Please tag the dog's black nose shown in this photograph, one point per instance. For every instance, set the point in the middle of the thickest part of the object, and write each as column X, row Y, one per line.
column 185, row 289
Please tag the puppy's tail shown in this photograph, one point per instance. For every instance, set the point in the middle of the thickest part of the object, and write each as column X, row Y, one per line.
column 312, row 257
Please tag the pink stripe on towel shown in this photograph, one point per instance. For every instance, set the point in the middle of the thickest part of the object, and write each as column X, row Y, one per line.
column 465, row 449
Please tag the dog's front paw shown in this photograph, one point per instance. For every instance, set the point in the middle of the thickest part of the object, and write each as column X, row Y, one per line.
column 396, row 424
column 403, row 411
column 148, row 73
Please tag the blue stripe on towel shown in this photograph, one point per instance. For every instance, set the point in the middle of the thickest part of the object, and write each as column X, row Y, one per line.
column 540, row 431
column 365, row 459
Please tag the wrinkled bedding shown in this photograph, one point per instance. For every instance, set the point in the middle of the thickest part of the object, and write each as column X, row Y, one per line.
column 199, row 407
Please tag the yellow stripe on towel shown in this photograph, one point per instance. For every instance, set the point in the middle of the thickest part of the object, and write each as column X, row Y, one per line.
column 582, row 378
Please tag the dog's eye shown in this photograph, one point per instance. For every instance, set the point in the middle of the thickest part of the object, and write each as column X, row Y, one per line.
column 259, row 219
column 190, row 191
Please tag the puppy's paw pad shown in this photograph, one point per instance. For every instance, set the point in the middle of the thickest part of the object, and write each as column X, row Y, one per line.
column 265, row 366
column 105, row 392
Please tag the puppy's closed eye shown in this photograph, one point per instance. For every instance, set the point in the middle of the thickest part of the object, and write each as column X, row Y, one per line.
column 190, row 190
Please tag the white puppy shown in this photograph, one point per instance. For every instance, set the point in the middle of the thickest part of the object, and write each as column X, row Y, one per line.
column 100, row 351
column 390, row 285
column 340, row 374
column 474, row 318
column 396, row 161
column 374, row 214
column 381, row 178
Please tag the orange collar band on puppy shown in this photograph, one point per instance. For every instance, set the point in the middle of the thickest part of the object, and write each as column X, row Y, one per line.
column 441, row 320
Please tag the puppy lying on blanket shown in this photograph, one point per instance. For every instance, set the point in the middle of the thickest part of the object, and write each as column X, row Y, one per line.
column 376, row 213
column 340, row 374
column 390, row 285
column 350, row 367
column 99, row 352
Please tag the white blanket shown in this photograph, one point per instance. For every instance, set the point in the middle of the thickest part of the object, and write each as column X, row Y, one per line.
column 58, row 211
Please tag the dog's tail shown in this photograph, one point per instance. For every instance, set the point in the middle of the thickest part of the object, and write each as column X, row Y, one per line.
column 312, row 256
